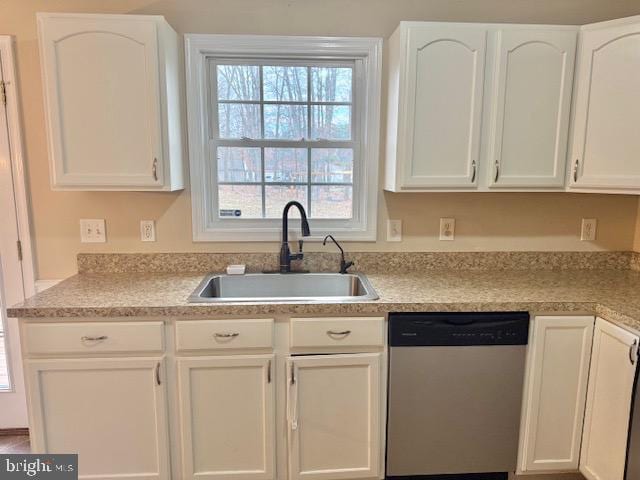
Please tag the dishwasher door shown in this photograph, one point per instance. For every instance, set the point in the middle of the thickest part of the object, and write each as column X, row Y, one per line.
column 454, row 409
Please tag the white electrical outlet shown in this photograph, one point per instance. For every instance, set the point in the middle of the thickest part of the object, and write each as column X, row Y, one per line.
column 447, row 228
column 147, row 230
column 394, row 230
column 588, row 230
column 92, row 231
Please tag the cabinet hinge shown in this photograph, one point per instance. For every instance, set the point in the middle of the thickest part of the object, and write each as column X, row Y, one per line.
column 19, row 245
column 3, row 91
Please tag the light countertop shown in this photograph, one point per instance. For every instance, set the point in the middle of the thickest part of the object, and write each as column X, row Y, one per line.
column 609, row 293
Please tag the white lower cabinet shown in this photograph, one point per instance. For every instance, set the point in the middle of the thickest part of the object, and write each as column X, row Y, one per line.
column 555, row 393
column 112, row 412
column 333, row 413
column 606, row 426
column 227, row 417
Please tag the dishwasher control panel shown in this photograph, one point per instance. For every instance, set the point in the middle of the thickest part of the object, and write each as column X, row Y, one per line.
column 458, row 329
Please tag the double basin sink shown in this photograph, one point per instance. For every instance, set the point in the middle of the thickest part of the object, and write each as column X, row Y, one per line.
column 277, row 287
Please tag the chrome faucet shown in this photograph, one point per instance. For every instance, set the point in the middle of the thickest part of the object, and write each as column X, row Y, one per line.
column 344, row 265
column 285, row 253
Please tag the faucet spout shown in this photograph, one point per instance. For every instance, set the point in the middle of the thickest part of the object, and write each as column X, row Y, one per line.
column 285, row 253
column 344, row 265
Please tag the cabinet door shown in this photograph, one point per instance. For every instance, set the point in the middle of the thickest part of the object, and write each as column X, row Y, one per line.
column 333, row 411
column 531, row 102
column 227, row 415
column 101, row 78
column 606, row 144
column 111, row 412
column 609, row 395
column 443, row 105
column 555, row 393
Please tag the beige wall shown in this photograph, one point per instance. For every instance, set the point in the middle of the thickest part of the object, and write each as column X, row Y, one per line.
column 636, row 241
column 484, row 221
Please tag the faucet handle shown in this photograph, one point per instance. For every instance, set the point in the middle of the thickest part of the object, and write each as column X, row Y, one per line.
column 345, row 266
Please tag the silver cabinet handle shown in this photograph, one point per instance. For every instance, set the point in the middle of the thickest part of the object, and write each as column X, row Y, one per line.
column 154, row 169
column 497, row 171
column 158, row 374
column 334, row 333
column 94, row 339
column 226, row 335
column 473, row 172
column 292, row 400
column 575, row 170
column 633, row 353
column 269, row 372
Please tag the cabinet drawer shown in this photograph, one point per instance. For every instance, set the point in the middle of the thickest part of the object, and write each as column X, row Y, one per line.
column 93, row 337
column 224, row 334
column 337, row 332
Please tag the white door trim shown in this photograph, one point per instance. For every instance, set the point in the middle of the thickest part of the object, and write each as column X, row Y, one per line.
column 21, row 193
column 16, row 275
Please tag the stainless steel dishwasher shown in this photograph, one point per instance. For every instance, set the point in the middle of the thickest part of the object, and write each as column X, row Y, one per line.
column 455, row 393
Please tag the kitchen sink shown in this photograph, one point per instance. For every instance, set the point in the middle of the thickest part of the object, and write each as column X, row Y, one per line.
column 277, row 287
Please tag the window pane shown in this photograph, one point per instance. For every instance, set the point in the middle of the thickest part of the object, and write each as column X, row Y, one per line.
column 331, row 122
column 240, row 201
column 331, row 84
column 236, row 164
column 332, row 165
column 331, row 201
column 288, row 122
column 237, row 120
column 238, row 82
column 277, row 196
column 285, row 165
column 285, row 84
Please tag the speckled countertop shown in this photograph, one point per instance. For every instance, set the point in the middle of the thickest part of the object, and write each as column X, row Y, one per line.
column 613, row 294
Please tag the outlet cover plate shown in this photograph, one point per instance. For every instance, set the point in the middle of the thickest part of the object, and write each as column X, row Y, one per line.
column 588, row 229
column 394, row 230
column 447, row 229
column 92, row 230
column 147, row 230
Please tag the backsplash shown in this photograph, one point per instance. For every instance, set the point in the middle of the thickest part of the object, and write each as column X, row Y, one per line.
column 368, row 262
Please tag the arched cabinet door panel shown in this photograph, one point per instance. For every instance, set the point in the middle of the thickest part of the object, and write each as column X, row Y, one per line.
column 606, row 144
column 106, row 97
column 530, row 107
column 445, row 77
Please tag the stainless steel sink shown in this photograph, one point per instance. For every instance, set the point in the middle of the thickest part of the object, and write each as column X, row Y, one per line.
column 276, row 287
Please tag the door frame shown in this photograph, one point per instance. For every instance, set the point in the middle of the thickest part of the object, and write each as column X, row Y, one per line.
column 14, row 174
column 18, row 164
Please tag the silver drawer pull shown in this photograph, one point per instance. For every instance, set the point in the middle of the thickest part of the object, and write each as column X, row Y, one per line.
column 94, row 339
column 334, row 333
column 226, row 335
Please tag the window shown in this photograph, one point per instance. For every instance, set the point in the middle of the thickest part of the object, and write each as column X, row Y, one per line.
column 274, row 119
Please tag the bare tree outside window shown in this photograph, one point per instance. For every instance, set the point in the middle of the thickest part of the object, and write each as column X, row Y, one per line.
column 284, row 132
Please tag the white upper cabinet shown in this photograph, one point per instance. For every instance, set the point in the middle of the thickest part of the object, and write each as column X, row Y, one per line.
column 611, row 379
column 112, row 98
column 530, row 106
column 435, row 105
column 439, row 73
column 606, row 144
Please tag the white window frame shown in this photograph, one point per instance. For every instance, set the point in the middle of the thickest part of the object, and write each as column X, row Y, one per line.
column 366, row 52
